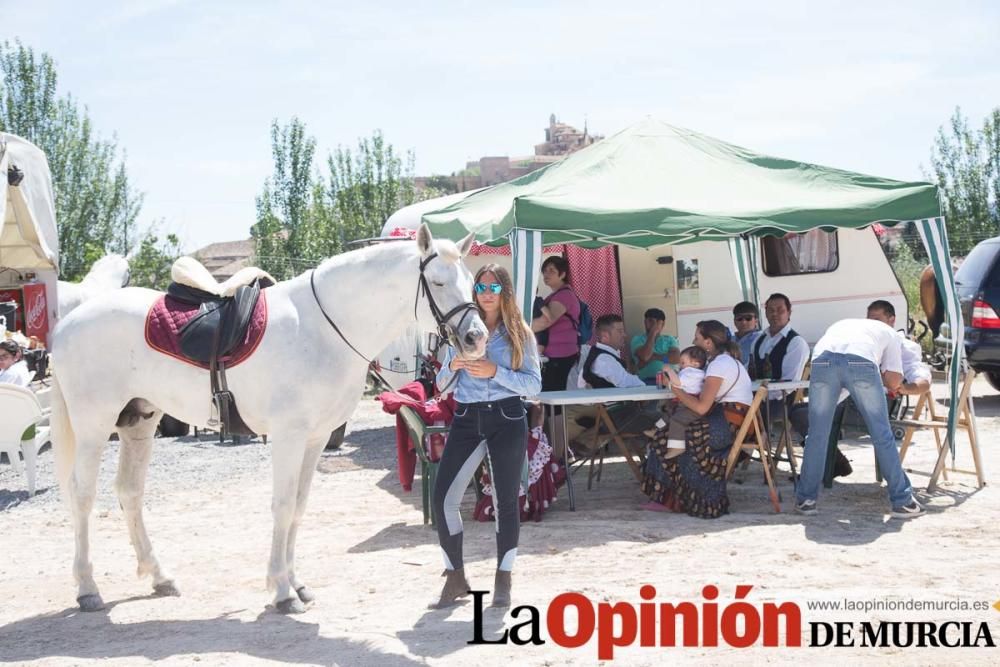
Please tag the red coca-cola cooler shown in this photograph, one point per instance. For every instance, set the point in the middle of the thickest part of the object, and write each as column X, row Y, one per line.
column 29, row 314
column 36, row 311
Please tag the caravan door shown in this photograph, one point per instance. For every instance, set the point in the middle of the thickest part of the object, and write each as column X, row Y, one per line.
column 647, row 281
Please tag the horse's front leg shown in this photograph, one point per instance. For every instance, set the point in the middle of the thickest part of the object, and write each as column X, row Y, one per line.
column 136, row 449
column 82, row 491
column 314, row 449
column 286, row 456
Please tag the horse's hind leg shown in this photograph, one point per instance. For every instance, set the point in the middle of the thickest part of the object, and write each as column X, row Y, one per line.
column 314, row 448
column 82, row 490
column 133, row 462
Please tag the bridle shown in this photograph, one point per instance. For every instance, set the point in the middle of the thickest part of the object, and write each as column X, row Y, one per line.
column 445, row 329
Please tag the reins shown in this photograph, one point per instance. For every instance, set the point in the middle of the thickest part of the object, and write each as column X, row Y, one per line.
column 445, row 329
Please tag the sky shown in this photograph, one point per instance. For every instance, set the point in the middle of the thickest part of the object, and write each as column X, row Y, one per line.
column 190, row 88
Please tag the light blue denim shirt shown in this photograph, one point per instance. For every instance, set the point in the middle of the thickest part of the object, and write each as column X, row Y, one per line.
column 525, row 381
column 746, row 345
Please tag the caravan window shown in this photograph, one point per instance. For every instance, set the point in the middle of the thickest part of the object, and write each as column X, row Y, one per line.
column 814, row 251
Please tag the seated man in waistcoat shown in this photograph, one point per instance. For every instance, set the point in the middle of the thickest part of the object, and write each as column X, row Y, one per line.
column 780, row 353
column 601, row 366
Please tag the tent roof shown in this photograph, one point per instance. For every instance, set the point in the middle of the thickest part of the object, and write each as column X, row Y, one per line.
column 654, row 183
column 28, row 238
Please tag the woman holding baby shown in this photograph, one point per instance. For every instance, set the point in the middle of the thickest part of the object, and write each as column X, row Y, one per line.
column 692, row 480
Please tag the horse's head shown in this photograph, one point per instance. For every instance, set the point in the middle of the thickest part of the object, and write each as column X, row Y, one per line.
column 447, row 283
column 109, row 272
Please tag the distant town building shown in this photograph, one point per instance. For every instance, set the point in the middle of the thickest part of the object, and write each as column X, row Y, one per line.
column 560, row 140
column 226, row 258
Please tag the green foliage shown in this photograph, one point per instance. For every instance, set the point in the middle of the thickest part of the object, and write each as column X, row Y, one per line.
column 443, row 184
column 966, row 165
column 368, row 185
column 302, row 218
column 149, row 265
column 96, row 205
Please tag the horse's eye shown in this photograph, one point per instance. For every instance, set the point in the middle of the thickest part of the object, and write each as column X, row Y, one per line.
column 437, row 284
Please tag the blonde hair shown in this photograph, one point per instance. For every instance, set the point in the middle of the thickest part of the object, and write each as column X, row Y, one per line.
column 517, row 329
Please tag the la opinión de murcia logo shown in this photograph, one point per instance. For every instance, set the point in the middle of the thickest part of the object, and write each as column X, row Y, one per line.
column 35, row 311
column 738, row 624
column 572, row 620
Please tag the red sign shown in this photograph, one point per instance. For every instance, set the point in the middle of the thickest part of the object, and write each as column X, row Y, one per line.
column 14, row 319
column 36, row 312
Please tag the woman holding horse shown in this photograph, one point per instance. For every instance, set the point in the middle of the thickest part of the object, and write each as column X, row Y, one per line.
column 489, row 422
column 695, row 481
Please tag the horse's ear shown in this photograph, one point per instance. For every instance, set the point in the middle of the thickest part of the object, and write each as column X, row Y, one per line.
column 425, row 241
column 466, row 244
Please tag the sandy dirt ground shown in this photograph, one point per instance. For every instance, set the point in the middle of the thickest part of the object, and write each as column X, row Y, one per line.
column 374, row 566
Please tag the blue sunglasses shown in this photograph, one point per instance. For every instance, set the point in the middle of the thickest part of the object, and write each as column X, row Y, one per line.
column 496, row 288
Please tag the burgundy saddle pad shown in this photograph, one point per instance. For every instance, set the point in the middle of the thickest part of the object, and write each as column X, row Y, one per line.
column 168, row 316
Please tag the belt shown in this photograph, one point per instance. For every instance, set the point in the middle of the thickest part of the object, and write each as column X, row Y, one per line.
column 489, row 405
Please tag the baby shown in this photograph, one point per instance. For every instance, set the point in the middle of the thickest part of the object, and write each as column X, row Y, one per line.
column 692, row 377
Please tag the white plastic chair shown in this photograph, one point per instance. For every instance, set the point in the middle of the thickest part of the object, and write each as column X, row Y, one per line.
column 19, row 409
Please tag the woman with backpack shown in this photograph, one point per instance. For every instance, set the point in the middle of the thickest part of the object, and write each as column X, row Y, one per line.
column 560, row 320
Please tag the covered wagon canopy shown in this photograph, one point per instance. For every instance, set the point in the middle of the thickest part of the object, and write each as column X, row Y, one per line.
column 28, row 239
column 654, row 183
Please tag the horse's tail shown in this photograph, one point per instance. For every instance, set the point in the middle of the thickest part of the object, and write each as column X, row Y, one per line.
column 63, row 438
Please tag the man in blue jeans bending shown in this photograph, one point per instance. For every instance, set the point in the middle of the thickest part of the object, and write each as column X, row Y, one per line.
column 855, row 357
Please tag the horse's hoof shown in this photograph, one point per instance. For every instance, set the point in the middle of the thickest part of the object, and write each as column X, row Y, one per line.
column 305, row 594
column 92, row 602
column 290, row 606
column 166, row 589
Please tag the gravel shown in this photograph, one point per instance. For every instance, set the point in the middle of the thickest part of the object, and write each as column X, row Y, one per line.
column 190, row 463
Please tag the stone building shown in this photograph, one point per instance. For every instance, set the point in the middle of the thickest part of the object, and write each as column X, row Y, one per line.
column 560, row 140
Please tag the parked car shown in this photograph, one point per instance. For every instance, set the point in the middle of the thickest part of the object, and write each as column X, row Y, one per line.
column 978, row 284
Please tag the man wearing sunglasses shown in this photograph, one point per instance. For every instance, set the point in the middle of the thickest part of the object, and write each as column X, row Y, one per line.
column 746, row 319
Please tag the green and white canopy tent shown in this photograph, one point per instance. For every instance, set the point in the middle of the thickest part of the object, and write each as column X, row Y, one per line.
column 654, row 183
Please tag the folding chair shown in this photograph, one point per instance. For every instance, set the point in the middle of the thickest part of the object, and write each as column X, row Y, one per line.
column 752, row 437
column 418, row 432
column 966, row 420
column 606, row 427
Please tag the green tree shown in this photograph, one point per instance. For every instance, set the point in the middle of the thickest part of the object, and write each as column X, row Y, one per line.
column 966, row 165
column 96, row 204
column 295, row 226
column 368, row 185
column 149, row 265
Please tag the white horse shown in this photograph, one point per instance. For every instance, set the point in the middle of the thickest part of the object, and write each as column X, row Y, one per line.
column 301, row 383
column 108, row 273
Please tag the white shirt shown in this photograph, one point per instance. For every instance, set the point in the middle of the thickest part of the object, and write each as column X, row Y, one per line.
column 609, row 369
column 692, row 380
column 17, row 374
column 796, row 356
column 868, row 339
column 736, row 386
column 911, row 356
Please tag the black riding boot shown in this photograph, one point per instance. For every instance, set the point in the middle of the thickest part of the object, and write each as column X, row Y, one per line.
column 455, row 586
column 501, row 589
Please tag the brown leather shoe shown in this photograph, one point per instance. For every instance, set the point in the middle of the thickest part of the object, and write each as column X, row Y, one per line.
column 455, row 586
column 501, row 589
